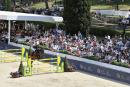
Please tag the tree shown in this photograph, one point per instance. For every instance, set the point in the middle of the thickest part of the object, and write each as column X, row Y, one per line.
column 7, row 5
column 25, row 2
column 77, row 16
column 117, row 3
column 46, row 3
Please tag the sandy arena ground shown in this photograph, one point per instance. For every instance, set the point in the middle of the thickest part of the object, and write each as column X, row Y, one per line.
column 75, row 79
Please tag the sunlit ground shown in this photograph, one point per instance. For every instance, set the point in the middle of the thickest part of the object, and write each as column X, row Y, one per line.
column 72, row 79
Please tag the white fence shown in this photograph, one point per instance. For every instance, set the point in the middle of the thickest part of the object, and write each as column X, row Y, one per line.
column 114, row 12
column 20, row 45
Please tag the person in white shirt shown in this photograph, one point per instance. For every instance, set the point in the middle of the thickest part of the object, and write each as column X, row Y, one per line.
column 108, row 37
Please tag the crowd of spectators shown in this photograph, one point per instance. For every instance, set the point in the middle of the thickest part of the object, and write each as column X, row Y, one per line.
column 106, row 49
column 18, row 30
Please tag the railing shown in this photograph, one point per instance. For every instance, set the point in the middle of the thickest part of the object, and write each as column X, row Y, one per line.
column 47, row 65
column 30, row 67
column 6, row 57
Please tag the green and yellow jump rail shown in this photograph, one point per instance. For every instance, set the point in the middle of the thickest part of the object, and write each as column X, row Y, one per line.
column 26, row 65
column 7, row 57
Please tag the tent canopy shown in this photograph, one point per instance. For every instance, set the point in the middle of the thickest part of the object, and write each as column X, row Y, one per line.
column 6, row 15
column 16, row 16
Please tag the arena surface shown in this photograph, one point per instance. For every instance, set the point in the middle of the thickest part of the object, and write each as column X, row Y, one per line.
column 74, row 79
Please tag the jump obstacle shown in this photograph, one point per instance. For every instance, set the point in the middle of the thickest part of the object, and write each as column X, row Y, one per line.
column 7, row 57
column 30, row 67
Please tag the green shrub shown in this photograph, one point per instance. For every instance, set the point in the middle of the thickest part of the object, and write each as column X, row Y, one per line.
column 59, row 2
column 24, row 43
column 120, row 64
column 44, row 47
column 92, row 58
column 103, row 31
column 48, row 25
column 128, row 34
column 63, row 51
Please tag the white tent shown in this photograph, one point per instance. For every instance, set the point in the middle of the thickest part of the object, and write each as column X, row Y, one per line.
column 16, row 16
column 5, row 15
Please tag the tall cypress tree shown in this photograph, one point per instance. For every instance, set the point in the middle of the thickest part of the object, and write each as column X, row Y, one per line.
column 77, row 15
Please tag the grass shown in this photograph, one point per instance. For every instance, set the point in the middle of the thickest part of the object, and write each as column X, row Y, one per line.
column 41, row 5
column 38, row 5
column 101, row 7
column 93, row 7
column 106, row 7
column 124, row 7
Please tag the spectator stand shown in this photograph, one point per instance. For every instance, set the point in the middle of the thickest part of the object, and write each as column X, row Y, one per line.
column 15, row 16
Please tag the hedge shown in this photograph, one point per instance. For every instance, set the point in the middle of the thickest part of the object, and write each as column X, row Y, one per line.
column 128, row 34
column 92, row 58
column 63, row 51
column 103, row 31
column 120, row 64
column 44, row 47
column 24, row 43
